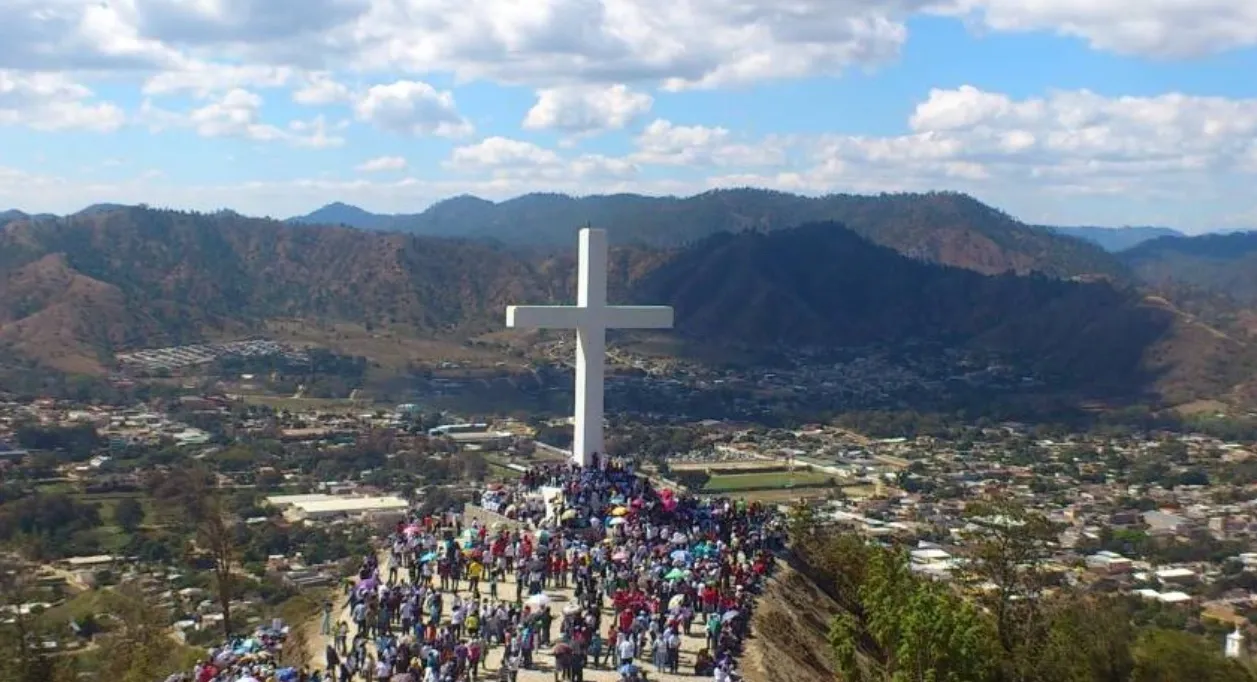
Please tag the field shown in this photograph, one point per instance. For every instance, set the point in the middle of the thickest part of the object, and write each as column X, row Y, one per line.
column 748, row 464
column 723, row 483
column 291, row 404
column 392, row 347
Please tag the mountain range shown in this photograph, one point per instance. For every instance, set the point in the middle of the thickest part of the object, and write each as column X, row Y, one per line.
column 941, row 227
column 74, row 290
column 1223, row 264
column 1115, row 239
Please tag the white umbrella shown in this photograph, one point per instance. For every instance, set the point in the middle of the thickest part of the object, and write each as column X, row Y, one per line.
column 538, row 601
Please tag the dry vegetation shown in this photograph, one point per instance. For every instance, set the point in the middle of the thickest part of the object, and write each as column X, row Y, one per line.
column 790, row 625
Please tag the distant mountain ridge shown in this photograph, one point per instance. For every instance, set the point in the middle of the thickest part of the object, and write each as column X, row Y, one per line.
column 784, row 288
column 942, row 227
column 1114, row 239
column 338, row 213
column 1223, row 264
column 76, row 289
column 12, row 215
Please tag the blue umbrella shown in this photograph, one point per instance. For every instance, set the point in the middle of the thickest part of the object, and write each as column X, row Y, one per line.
column 430, row 556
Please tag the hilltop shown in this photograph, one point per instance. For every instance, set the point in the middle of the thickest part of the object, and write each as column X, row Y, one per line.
column 941, row 227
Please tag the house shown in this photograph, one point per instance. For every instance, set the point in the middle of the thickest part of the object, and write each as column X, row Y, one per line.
column 1108, row 563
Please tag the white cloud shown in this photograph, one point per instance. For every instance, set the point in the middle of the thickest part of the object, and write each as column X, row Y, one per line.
column 412, row 108
column 239, row 22
column 381, row 164
column 586, row 109
column 499, row 152
column 50, row 35
column 320, row 88
column 315, row 133
column 664, row 143
column 205, row 79
column 51, row 102
column 505, row 159
column 238, row 114
column 552, row 43
column 1162, row 28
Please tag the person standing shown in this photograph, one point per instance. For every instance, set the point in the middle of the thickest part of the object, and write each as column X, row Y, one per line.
column 326, row 628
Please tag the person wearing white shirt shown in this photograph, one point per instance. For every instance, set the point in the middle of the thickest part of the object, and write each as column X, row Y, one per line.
column 625, row 649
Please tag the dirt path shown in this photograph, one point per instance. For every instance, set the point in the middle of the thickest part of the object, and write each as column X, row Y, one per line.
column 542, row 660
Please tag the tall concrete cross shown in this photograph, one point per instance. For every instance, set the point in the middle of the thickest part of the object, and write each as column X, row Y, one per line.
column 591, row 317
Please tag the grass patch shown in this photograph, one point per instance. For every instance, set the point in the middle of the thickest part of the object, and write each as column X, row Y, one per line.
column 392, row 346
column 56, row 488
column 782, row 479
column 291, row 404
column 498, row 471
column 78, row 606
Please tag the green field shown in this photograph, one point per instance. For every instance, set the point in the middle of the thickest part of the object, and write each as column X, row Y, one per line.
column 306, row 404
column 777, row 479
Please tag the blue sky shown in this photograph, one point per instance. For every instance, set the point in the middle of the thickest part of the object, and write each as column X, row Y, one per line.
column 1069, row 112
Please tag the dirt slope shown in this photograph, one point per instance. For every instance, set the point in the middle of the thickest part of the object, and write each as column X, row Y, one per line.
column 790, row 624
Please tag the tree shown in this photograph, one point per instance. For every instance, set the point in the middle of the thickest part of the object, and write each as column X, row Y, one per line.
column 21, row 657
column 137, row 649
column 1169, row 656
column 911, row 630
column 475, row 466
column 1009, row 548
column 129, row 514
column 215, row 536
column 1089, row 640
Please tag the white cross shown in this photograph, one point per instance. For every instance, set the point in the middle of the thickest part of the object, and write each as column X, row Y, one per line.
column 591, row 317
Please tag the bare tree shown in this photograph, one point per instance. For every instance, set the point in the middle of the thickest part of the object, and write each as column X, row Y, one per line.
column 215, row 536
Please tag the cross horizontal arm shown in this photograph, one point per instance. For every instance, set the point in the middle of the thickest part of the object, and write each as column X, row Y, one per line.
column 544, row 316
column 639, row 317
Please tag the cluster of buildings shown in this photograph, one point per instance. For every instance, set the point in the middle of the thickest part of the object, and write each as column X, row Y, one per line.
column 1169, row 518
column 179, row 357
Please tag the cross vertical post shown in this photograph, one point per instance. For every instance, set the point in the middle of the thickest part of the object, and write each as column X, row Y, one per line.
column 591, row 345
column 590, row 317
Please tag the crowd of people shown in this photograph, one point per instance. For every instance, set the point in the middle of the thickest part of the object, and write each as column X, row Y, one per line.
column 646, row 569
column 245, row 659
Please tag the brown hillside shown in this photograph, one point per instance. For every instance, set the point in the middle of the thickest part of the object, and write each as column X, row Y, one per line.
column 790, row 627
column 66, row 318
column 228, row 267
column 78, row 289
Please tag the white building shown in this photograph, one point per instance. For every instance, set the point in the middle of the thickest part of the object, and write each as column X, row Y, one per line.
column 1234, row 644
column 326, row 507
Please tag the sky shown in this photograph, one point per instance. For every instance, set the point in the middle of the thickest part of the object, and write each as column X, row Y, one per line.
column 1096, row 112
